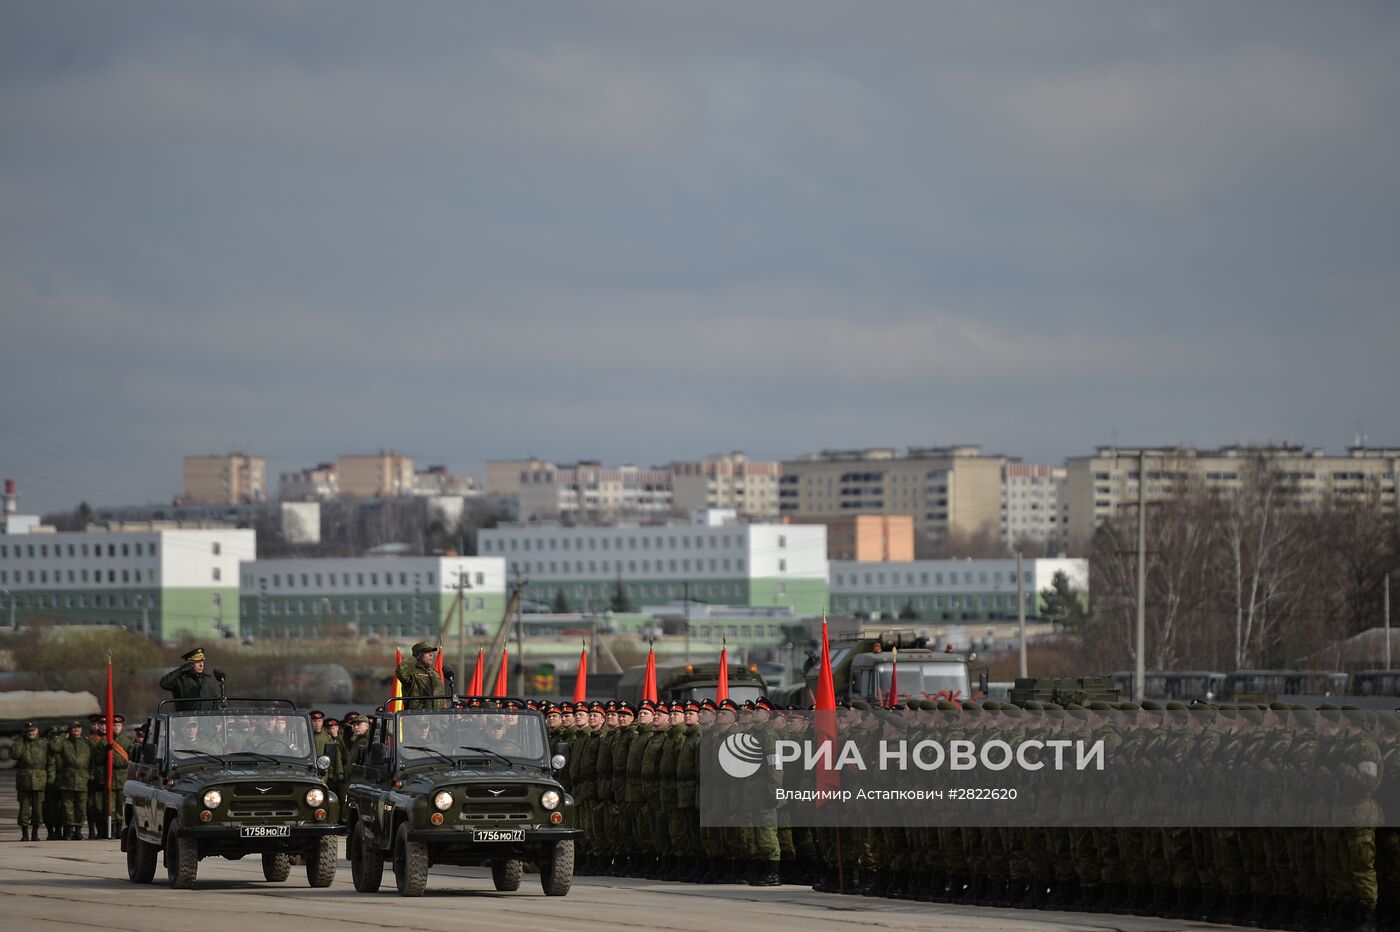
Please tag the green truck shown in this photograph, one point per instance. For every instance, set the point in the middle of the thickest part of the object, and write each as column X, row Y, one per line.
column 864, row 667
column 686, row 681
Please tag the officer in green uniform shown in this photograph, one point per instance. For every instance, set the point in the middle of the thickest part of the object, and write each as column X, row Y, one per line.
column 189, row 684
column 419, row 677
column 122, row 748
column 31, row 779
column 72, row 765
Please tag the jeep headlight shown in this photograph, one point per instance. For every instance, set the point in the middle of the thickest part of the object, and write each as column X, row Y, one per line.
column 315, row 796
column 549, row 799
column 212, row 799
column 443, row 801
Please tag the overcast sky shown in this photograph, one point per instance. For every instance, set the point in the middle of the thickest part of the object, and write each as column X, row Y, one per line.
column 644, row 231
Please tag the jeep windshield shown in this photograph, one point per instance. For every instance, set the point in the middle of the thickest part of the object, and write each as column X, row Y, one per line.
column 923, row 678
column 223, row 735
column 435, row 734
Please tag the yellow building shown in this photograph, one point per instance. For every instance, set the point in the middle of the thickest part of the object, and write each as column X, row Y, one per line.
column 385, row 474
column 228, row 479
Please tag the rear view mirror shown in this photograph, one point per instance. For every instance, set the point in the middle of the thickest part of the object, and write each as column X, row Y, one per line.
column 557, row 762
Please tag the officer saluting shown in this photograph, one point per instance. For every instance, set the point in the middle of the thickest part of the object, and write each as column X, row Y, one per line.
column 190, row 684
column 419, row 677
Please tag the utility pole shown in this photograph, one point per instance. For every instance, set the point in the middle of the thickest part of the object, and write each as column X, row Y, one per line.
column 520, row 637
column 1140, row 663
column 686, row 590
column 1385, row 602
column 1021, row 608
column 461, row 622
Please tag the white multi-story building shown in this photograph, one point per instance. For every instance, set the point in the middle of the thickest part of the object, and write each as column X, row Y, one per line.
column 165, row 581
column 317, row 484
column 1033, row 505
column 589, row 491
column 730, row 481
column 753, row 564
column 948, row 590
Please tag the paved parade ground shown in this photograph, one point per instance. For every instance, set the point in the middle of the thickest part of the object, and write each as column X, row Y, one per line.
column 59, row 885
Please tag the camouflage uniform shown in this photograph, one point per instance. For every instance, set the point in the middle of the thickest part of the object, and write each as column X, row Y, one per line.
column 31, row 780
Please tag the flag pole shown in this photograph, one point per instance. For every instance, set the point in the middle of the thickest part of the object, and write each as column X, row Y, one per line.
column 110, row 727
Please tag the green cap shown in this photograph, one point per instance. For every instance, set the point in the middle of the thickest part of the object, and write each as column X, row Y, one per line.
column 423, row 647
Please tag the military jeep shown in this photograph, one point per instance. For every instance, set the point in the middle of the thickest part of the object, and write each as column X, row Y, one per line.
column 467, row 785
column 241, row 778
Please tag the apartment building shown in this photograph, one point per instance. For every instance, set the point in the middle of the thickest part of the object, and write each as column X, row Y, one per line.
column 947, row 490
column 727, row 481
column 407, row 598
column 317, row 484
column 1098, row 486
column 707, row 560
column 870, row 538
column 1034, row 506
column 589, row 491
column 386, row 474
column 164, row 581
column 227, row 479
column 947, row 590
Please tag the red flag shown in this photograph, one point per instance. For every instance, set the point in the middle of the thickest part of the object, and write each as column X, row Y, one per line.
column 501, row 677
column 893, row 696
column 581, row 684
column 110, row 725
column 437, row 665
column 649, row 681
column 722, row 690
column 398, row 687
column 478, row 686
column 828, row 778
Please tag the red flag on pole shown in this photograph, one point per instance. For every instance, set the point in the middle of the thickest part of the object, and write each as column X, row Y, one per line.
column 722, row 690
column 437, row 665
column 581, row 684
column 828, row 778
column 893, row 697
column 501, row 677
column 398, row 687
column 477, row 687
column 649, row 681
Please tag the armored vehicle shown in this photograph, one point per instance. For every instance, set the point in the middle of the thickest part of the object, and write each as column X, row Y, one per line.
column 686, row 681
column 469, row 784
column 241, row 778
column 864, row 668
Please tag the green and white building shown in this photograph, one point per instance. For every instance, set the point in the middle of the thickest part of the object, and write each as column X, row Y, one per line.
column 166, row 582
column 393, row 597
column 711, row 559
column 947, row 590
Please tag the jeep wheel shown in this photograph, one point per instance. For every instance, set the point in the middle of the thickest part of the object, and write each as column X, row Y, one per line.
column 557, row 869
column 320, row 862
column 506, row 875
column 140, row 857
column 410, row 864
column 181, row 857
column 277, row 867
column 366, row 863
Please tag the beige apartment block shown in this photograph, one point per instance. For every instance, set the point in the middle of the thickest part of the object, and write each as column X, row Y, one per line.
column 870, row 538
column 947, row 490
column 1097, row 486
column 228, row 479
column 385, row 474
column 589, row 491
column 734, row 481
column 504, row 477
column 1033, row 504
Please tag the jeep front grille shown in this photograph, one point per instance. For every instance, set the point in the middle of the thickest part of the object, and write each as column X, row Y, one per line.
column 262, row 810
column 262, row 790
column 497, row 792
column 496, row 814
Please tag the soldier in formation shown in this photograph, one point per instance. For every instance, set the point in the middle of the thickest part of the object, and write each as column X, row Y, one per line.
column 31, row 754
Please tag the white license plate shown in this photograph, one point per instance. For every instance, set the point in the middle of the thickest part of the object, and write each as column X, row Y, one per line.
column 264, row 831
column 498, row 834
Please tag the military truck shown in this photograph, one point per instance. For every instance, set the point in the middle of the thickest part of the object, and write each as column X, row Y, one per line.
column 469, row 784
column 685, row 681
column 863, row 668
column 241, row 778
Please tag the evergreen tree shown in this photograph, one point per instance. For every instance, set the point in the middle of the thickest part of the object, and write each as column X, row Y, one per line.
column 620, row 601
column 1063, row 603
column 561, row 603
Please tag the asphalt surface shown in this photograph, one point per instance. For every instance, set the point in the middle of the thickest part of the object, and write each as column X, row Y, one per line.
column 83, row 885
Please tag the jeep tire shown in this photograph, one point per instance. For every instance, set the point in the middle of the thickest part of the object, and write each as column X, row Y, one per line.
column 277, row 866
column 140, row 857
column 366, row 862
column 506, row 875
column 181, row 857
column 557, row 869
column 320, row 862
column 410, row 864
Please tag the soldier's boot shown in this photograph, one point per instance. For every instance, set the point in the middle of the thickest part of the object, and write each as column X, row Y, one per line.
column 24, row 833
column 1362, row 918
column 1032, row 894
column 1236, row 908
column 764, row 874
column 930, row 888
